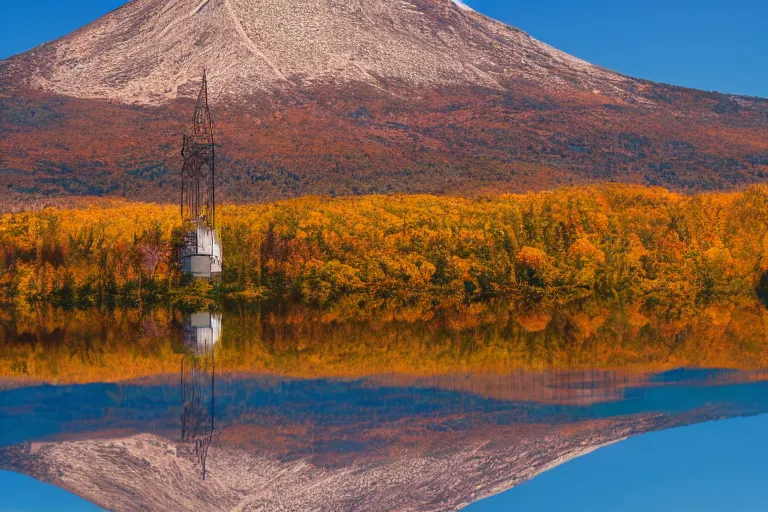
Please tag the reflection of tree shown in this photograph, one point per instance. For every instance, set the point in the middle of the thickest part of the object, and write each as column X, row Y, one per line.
column 197, row 398
column 108, row 345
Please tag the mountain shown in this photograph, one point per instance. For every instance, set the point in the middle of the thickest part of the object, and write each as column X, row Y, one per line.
column 348, row 97
column 426, row 470
column 147, row 472
column 149, row 52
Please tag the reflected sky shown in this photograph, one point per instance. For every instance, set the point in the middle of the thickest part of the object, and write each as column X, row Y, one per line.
column 710, row 467
column 353, row 406
column 199, row 436
column 490, row 430
column 20, row 493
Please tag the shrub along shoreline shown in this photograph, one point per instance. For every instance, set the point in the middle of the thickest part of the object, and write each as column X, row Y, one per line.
column 363, row 257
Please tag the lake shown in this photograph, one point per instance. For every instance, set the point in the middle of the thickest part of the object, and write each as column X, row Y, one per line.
column 256, row 410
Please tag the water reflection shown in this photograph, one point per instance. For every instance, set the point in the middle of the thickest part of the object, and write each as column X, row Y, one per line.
column 713, row 466
column 452, row 444
column 201, row 433
column 202, row 332
column 110, row 345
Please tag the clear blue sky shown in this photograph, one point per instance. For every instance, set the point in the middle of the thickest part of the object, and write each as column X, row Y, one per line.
column 711, row 467
column 707, row 44
column 20, row 493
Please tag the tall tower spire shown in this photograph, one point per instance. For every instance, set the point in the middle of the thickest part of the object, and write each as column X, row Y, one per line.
column 201, row 255
column 198, row 200
column 202, row 114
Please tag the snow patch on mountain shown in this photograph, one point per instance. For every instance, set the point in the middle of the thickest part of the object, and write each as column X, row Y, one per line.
column 462, row 5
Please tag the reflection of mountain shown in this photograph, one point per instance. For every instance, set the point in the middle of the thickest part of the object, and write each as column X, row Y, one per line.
column 280, row 406
column 343, row 445
column 149, row 473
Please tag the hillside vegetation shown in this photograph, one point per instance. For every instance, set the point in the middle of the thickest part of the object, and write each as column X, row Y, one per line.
column 406, row 255
column 320, row 98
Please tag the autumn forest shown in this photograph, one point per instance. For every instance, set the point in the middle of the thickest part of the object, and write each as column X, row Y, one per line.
column 405, row 255
column 611, row 275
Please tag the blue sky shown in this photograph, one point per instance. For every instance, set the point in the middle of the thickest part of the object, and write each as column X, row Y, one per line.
column 20, row 493
column 711, row 467
column 706, row 44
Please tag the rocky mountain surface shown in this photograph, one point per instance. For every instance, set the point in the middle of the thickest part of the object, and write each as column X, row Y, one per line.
column 147, row 472
column 388, row 443
column 351, row 97
column 150, row 52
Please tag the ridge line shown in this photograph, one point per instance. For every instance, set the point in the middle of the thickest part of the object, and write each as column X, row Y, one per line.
column 249, row 43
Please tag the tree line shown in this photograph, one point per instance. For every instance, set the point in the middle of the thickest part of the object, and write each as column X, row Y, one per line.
column 407, row 256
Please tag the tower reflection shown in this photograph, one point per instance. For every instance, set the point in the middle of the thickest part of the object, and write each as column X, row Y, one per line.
column 202, row 332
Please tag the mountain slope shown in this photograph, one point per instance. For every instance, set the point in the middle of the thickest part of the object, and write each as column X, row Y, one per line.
column 149, row 51
column 347, row 97
column 438, row 472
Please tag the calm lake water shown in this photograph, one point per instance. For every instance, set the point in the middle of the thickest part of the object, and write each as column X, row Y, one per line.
column 224, row 410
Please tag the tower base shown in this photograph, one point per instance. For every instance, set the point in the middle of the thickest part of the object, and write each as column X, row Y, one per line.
column 199, row 265
column 201, row 255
